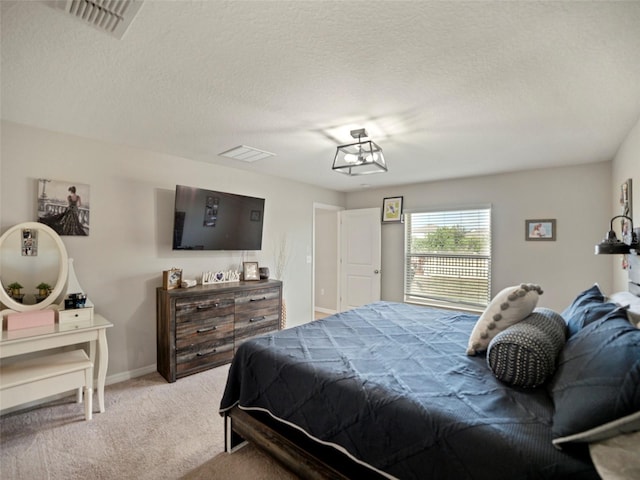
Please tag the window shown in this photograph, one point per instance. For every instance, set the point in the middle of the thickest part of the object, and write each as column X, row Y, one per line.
column 448, row 258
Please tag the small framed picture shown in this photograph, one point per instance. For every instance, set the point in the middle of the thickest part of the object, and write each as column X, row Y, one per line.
column 171, row 278
column 392, row 210
column 540, row 230
column 250, row 271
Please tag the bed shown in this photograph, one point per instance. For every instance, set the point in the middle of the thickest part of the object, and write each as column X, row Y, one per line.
column 389, row 390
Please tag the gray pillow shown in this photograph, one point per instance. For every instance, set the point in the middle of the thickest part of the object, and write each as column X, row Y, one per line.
column 526, row 354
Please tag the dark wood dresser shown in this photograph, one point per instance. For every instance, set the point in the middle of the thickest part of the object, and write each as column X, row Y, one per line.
column 201, row 327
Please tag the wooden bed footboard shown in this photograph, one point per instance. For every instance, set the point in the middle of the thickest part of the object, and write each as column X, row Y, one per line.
column 293, row 449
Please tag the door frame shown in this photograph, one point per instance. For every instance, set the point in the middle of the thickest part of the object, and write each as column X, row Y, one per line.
column 336, row 209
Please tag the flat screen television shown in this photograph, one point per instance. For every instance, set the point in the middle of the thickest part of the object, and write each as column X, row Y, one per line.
column 210, row 220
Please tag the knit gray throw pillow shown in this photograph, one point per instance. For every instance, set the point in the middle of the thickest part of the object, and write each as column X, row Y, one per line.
column 525, row 354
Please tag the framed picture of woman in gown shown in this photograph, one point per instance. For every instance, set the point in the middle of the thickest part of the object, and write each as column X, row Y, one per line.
column 64, row 206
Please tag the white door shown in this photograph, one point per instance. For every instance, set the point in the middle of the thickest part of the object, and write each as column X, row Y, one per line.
column 360, row 257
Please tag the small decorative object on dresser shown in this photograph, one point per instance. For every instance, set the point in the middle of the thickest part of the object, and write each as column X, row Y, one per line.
column 264, row 273
column 250, row 271
column 171, row 278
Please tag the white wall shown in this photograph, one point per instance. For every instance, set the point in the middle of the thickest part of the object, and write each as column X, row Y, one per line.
column 578, row 197
column 132, row 194
column 326, row 260
column 625, row 165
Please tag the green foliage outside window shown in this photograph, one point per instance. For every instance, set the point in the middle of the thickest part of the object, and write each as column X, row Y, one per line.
column 450, row 239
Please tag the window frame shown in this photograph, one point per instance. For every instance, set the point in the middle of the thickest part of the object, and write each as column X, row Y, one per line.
column 445, row 301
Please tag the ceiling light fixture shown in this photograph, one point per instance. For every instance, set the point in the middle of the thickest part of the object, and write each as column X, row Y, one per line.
column 360, row 158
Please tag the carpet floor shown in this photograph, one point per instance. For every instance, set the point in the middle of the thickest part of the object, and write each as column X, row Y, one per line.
column 150, row 429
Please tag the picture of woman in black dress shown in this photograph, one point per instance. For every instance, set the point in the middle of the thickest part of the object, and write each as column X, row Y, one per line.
column 67, row 222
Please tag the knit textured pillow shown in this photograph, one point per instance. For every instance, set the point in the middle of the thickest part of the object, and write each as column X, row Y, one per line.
column 526, row 354
column 508, row 307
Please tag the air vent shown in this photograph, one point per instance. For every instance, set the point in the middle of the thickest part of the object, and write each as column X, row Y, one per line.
column 110, row 16
column 246, row 154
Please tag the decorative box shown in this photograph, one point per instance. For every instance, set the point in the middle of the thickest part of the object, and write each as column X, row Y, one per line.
column 38, row 318
column 75, row 315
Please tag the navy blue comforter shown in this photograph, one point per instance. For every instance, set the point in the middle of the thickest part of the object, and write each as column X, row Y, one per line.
column 390, row 384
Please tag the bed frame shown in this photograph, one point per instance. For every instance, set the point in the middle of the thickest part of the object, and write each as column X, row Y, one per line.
column 292, row 448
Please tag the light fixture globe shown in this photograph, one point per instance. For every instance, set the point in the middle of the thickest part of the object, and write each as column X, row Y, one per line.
column 359, row 158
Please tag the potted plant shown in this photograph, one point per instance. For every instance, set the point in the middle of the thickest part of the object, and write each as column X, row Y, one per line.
column 44, row 289
column 14, row 289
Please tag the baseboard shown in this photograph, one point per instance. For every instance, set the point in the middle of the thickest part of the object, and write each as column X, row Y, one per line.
column 325, row 310
column 111, row 379
column 128, row 375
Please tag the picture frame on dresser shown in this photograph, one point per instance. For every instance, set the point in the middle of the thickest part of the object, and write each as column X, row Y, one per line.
column 171, row 278
column 250, row 271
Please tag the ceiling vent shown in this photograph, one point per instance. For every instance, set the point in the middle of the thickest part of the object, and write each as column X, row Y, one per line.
column 246, row 154
column 110, row 16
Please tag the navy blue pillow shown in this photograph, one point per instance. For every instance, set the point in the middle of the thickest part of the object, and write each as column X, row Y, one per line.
column 587, row 307
column 598, row 376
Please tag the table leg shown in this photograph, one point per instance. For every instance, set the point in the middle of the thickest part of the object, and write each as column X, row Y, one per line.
column 103, row 361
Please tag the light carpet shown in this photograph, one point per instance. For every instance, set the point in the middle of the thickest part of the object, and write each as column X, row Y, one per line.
column 151, row 429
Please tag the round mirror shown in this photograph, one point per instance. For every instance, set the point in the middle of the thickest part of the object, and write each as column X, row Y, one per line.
column 33, row 267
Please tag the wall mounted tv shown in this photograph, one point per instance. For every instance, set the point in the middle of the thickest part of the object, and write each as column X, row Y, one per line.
column 210, row 220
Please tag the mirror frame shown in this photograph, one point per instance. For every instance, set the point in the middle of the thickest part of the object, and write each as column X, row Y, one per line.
column 63, row 269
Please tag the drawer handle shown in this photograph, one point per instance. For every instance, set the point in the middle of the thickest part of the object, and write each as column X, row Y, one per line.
column 257, row 319
column 208, row 329
column 202, row 354
column 257, row 299
column 206, row 307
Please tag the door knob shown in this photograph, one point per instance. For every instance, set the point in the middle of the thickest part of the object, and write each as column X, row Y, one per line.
column 376, row 271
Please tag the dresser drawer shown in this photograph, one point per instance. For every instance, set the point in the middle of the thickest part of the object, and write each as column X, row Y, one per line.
column 75, row 315
column 253, row 305
column 192, row 309
column 203, row 356
column 257, row 312
column 203, row 331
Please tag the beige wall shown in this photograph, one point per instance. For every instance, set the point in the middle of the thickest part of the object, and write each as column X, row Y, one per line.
column 625, row 165
column 578, row 197
column 132, row 194
column 326, row 260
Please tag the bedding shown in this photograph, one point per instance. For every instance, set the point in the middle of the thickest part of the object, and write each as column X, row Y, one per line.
column 631, row 303
column 391, row 385
column 598, row 378
column 587, row 307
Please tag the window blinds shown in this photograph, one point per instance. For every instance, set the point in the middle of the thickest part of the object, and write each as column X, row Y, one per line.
column 448, row 257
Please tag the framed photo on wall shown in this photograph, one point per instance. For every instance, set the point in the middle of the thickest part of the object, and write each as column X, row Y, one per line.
column 250, row 271
column 64, row 206
column 540, row 230
column 171, row 278
column 392, row 210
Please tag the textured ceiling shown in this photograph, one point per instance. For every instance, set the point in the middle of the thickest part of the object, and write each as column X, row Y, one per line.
column 447, row 89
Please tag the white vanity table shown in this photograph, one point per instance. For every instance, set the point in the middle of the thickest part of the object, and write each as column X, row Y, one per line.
column 27, row 340
column 53, row 265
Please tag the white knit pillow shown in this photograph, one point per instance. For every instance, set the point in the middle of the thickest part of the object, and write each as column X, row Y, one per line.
column 508, row 307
